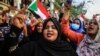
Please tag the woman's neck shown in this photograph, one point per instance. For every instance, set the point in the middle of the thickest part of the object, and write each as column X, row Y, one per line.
column 92, row 37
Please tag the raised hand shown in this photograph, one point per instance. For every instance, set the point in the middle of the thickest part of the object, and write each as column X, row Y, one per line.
column 66, row 16
column 18, row 21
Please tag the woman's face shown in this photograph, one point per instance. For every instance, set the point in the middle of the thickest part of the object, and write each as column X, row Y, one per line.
column 77, row 22
column 4, row 18
column 50, row 32
column 40, row 27
column 93, row 27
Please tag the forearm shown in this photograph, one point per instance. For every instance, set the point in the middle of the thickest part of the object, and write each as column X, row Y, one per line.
column 72, row 35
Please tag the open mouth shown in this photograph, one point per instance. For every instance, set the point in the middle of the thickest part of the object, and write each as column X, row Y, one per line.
column 90, row 28
column 49, row 34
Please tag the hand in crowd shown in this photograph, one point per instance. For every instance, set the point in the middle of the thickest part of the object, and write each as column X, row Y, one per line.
column 18, row 21
column 66, row 16
column 40, row 20
column 66, row 13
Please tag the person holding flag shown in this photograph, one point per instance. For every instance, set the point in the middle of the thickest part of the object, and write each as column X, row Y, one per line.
column 37, row 8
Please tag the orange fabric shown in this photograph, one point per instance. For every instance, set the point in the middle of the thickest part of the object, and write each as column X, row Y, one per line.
column 72, row 35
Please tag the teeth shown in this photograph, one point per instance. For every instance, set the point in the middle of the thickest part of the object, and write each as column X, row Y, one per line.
column 90, row 29
column 49, row 34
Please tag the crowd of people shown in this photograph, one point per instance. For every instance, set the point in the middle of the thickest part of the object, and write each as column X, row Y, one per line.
column 21, row 35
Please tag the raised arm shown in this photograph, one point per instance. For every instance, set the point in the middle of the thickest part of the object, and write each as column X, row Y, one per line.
column 72, row 35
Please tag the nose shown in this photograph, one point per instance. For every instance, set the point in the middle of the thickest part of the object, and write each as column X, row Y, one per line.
column 39, row 27
column 49, row 29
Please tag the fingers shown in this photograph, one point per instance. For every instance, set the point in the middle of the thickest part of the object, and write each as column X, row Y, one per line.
column 18, row 21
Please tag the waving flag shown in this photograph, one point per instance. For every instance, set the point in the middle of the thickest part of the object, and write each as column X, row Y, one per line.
column 37, row 7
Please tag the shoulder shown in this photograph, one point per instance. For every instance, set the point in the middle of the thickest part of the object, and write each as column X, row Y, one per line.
column 25, row 50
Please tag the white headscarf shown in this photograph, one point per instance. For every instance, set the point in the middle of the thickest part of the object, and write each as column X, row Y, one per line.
column 89, row 47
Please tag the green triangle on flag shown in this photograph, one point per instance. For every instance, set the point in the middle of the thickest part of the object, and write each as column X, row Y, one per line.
column 33, row 6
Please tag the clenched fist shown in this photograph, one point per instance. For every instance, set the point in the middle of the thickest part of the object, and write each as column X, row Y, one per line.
column 18, row 21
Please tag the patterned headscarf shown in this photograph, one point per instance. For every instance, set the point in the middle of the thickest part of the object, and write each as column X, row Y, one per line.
column 89, row 47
